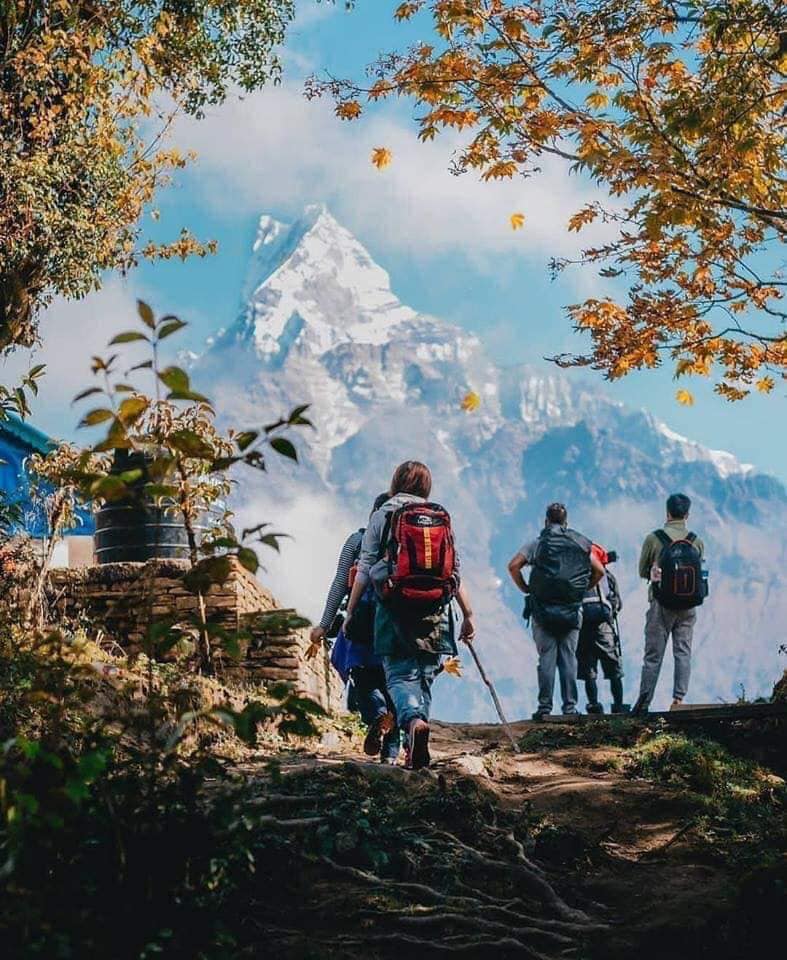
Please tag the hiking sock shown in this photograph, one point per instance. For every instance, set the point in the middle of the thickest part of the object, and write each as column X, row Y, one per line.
column 591, row 692
column 616, row 688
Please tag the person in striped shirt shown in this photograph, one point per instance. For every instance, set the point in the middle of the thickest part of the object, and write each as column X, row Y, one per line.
column 355, row 662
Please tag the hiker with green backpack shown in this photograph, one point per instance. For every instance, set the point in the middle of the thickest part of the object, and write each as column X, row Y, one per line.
column 671, row 563
column 563, row 570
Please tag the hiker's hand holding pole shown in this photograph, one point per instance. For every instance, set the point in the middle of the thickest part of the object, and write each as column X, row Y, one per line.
column 316, row 638
column 467, row 631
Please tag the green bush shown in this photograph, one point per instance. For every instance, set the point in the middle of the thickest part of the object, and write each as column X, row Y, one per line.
column 739, row 807
column 701, row 765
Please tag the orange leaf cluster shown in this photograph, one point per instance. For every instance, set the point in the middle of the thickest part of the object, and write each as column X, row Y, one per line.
column 677, row 112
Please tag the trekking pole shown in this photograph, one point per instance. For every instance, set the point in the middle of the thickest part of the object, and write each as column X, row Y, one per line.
column 495, row 699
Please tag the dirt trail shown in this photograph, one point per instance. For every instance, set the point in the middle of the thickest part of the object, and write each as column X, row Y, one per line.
column 622, row 848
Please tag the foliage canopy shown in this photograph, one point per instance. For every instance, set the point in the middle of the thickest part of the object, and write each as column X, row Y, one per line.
column 676, row 109
column 87, row 90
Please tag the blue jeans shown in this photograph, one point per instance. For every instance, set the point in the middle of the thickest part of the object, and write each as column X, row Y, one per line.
column 556, row 653
column 409, row 681
column 373, row 703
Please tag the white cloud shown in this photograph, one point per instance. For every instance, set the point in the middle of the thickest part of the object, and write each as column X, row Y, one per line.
column 72, row 331
column 316, row 527
column 277, row 149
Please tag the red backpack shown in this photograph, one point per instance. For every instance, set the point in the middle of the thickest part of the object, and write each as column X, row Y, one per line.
column 419, row 543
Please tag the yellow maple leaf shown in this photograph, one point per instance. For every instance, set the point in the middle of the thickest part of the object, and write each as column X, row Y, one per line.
column 765, row 384
column 517, row 221
column 684, row 397
column 471, row 401
column 381, row 157
column 597, row 100
column 349, row 110
column 453, row 666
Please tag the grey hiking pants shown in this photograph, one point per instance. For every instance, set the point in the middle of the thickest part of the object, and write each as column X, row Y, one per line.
column 556, row 653
column 660, row 623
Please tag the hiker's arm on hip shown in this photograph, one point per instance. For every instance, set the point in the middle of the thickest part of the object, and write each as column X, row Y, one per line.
column 515, row 567
column 596, row 570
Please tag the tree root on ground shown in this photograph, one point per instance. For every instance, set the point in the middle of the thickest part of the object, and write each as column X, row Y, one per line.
column 535, row 883
column 480, row 946
column 517, row 912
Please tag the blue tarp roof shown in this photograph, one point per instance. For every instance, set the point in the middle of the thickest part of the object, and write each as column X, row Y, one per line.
column 18, row 440
column 26, row 434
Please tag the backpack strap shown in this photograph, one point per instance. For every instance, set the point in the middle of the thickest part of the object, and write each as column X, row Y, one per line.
column 386, row 534
column 691, row 537
column 663, row 537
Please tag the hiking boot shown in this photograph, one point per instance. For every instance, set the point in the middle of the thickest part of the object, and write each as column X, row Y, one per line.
column 419, row 744
column 389, row 761
column 640, row 708
column 373, row 743
column 540, row 714
column 620, row 708
column 595, row 708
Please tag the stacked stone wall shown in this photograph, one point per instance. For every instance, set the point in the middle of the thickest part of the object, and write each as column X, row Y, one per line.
column 122, row 599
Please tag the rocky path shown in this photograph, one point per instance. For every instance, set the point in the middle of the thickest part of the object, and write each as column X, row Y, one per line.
column 621, row 852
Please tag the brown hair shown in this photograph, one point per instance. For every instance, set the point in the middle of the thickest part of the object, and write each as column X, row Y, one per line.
column 412, row 477
column 557, row 513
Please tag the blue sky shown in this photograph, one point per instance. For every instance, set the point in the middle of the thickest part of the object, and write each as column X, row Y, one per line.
column 445, row 240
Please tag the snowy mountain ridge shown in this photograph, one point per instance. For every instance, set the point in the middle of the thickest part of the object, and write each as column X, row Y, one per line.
column 320, row 324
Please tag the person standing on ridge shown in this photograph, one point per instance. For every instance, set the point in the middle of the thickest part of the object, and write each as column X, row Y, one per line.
column 564, row 569
column 599, row 638
column 353, row 656
column 408, row 555
column 671, row 562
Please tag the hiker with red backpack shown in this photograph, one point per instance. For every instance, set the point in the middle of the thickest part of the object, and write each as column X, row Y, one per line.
column 599, row 638
column 352, row 654
column 563, row 570
column 408, row 555
column 671, row 562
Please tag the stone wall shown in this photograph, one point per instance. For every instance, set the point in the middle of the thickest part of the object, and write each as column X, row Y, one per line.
column 122, row 599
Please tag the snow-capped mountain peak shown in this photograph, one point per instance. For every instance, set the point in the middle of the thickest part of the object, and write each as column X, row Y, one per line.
column 725, row 462
column 311, row 286
column 320, row 325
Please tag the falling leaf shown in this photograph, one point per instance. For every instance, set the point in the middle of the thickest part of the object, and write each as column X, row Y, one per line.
column 349, row 110
column 453, row 666
column 381, row 157
column 517, row 221
column 471, row 401
column 765, row 384
column 684, row 397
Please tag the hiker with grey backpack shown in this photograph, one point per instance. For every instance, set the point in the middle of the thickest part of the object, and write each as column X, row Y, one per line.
column 672, row 563
column 563, row 570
